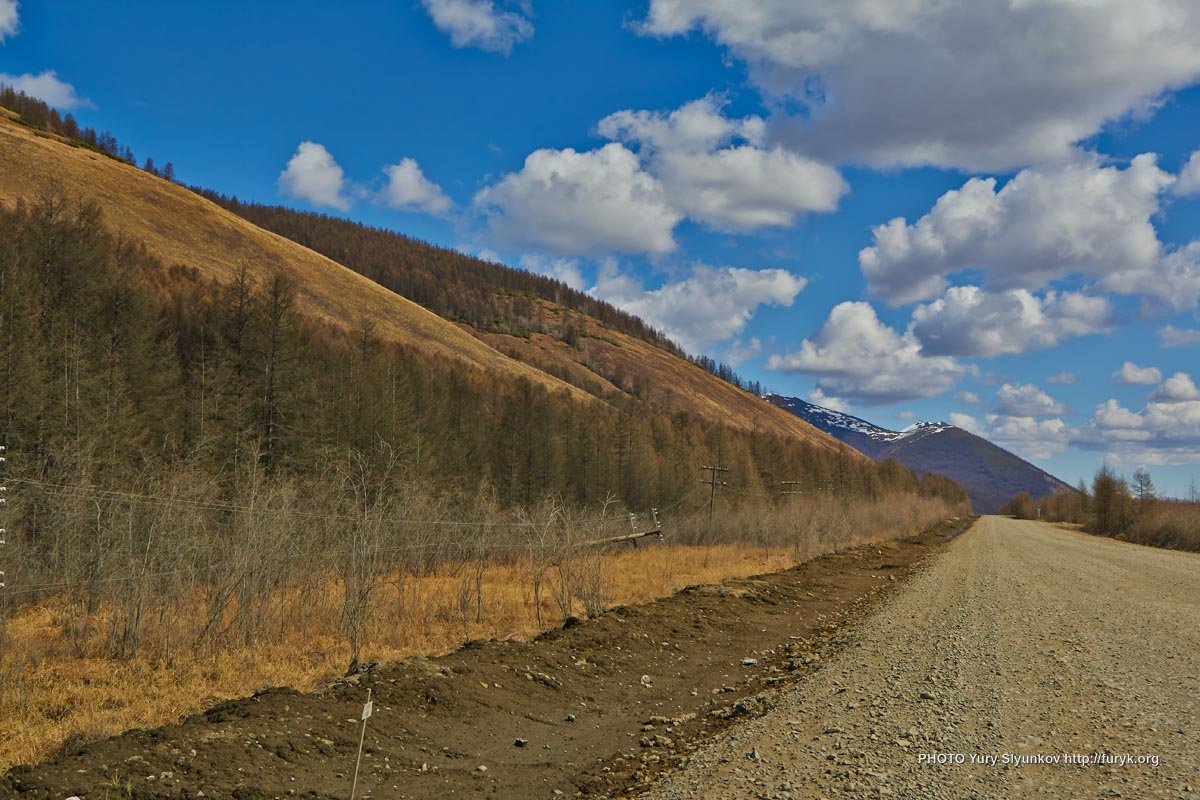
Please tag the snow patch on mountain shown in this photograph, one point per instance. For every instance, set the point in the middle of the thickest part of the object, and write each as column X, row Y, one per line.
column 827, row 416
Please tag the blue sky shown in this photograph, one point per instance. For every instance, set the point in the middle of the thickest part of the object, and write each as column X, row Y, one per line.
column 909, row 210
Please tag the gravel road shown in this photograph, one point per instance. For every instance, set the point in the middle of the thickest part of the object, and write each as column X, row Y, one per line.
column 1021, row 641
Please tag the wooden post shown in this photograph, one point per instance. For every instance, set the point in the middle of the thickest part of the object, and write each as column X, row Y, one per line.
column 368, row 708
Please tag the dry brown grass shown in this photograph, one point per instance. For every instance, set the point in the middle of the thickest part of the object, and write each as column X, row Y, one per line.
column 55, row 682
column 667, row 381
column 1165, row 523
column 50, row 692
column 60, row 676
column 180, row 227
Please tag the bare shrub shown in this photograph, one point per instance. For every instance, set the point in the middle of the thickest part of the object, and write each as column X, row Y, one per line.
column 1172, row 524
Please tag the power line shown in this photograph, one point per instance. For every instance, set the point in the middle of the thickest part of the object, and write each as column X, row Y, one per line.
column 449, row 545
column 230, row 507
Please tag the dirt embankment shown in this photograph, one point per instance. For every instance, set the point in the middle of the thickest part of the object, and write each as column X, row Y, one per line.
column 600, row 707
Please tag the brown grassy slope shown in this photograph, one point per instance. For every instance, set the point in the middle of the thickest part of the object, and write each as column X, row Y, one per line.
column 607, row 360
column 180, row 227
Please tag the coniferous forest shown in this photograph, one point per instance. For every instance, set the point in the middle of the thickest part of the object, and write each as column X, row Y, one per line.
column 117, row 366
column 111, row 353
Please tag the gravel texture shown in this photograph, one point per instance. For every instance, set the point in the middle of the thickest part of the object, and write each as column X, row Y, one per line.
column 1020, row 640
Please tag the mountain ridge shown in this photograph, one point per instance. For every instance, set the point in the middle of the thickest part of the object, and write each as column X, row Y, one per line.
column 990, row 474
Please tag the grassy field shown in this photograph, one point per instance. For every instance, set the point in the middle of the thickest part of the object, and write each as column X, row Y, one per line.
column 54, row 688
column 56, row 683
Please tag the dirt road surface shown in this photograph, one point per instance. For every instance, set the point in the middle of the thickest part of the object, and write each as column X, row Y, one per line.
column 1021, row 639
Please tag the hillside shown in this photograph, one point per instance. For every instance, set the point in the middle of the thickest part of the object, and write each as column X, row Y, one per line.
column 990, row 474
column 178, row 226
column 535, row 319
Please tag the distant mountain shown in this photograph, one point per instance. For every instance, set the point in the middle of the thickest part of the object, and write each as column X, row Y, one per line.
column 990, row 474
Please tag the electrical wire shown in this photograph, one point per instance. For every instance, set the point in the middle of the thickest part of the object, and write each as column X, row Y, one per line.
column 458, row 546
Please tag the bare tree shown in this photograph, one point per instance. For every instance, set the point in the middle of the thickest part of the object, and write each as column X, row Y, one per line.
column 1143, row 486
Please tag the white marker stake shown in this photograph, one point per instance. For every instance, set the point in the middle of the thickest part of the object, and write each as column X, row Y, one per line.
column 368, row 707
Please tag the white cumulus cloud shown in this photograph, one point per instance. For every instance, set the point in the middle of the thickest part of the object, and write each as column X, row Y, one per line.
column 479, row 24
column 1063, row 378
column 982, row 85
column 574, row 203
column 744, row 188
column 699, row 127
column 659, row 168
column 1026, row 400
column 1179, row 388
column 1131, row 374
column 566, row 270
column 710, row 305
column 967, row 422
column 829, row 401
column 47, row 87
column 1170, row 336
column 1175, row 281
column 1079, row 217
column 969, row 321
column 408, row 189
column 313, row 175
column 715, row 171
column 738, row 352
column 1189, row 176
column 1027, row 436
column 1160, row 433
column 1030, row 437
column 855, row 356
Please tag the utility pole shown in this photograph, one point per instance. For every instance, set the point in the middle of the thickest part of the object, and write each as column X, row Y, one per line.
column 787, row 487
column 713, row 484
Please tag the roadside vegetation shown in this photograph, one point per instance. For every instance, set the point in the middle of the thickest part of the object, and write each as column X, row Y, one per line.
column 92, row 661
column 1124, row 509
